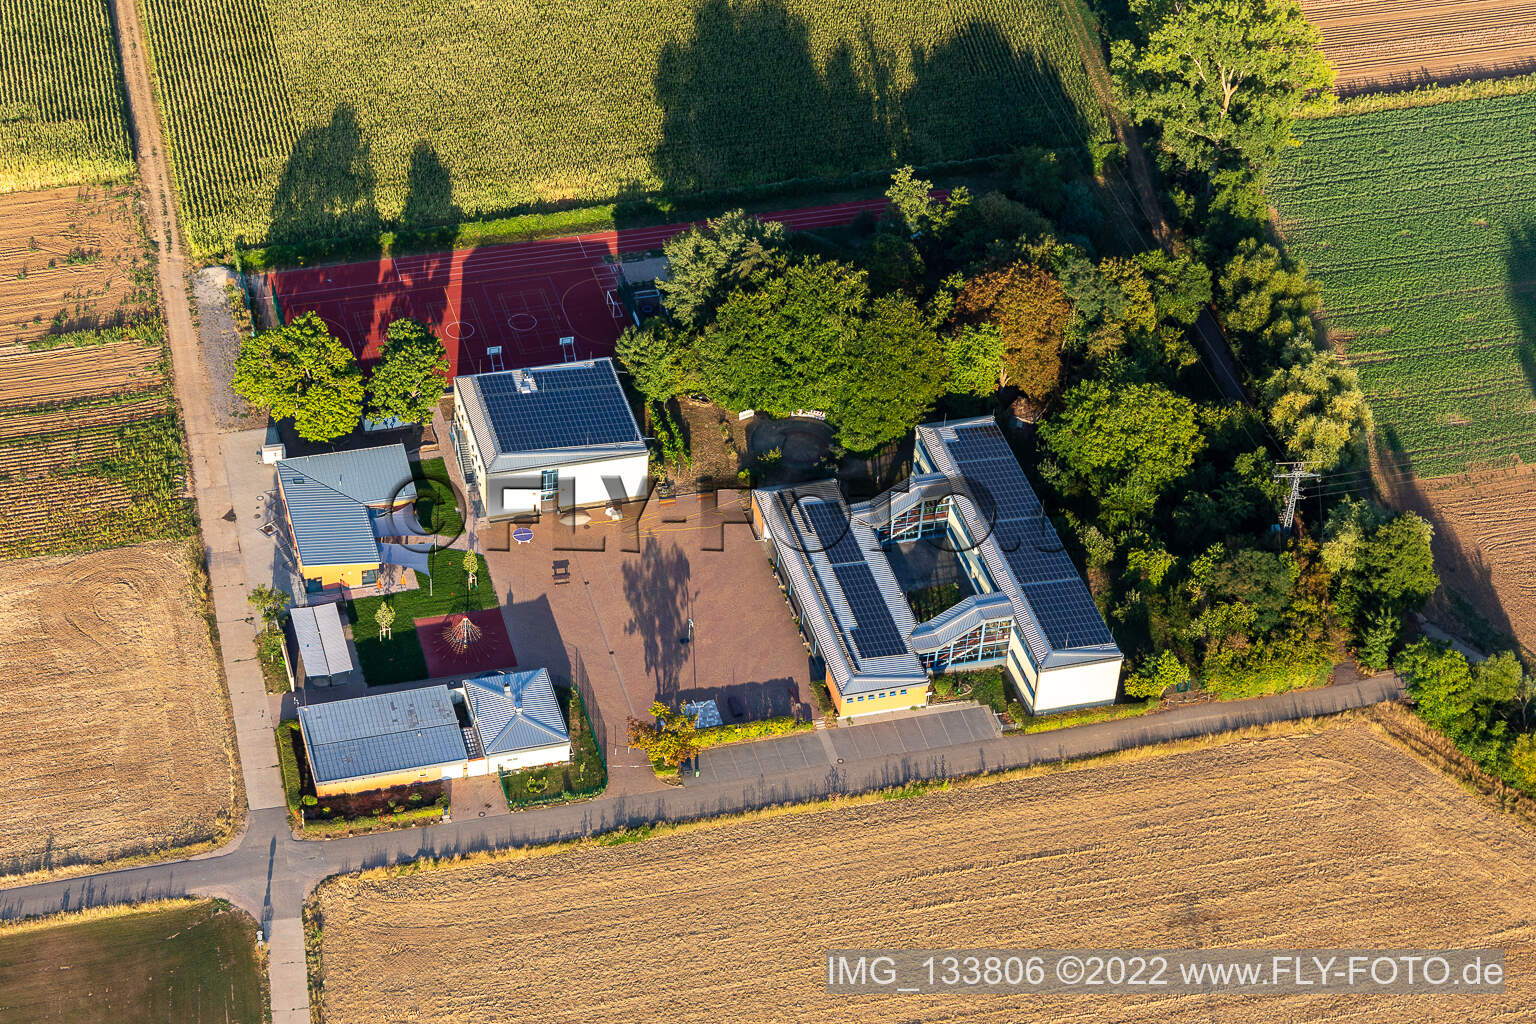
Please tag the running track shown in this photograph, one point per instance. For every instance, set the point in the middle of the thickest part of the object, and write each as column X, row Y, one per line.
column 523, row 297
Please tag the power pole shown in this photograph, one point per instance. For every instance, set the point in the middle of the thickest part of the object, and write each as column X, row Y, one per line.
column 1295, row 473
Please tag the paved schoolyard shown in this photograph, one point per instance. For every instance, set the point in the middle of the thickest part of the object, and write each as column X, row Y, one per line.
column 621, row 619
column 911, row 733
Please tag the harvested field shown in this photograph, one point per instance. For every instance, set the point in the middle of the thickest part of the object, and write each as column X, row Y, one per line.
column 1485, row 544
column 1382, row 44
column 62, row 375
column 185, row 962
column 70, row 259
column 119, row 741
column 1327, row 837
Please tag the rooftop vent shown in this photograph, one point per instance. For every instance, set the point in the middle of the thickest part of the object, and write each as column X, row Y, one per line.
column 526, row 383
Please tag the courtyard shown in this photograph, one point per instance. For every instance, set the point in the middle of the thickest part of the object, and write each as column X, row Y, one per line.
column 674, row 602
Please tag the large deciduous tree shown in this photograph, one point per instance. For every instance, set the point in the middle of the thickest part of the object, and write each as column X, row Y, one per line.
column 1223, row 78
column 812, row 337
column 1316, row 407
column 706, row 264
column 659, row 357
column 413, row 369
column 1123, row 445
column 300, row 371
column 1031, row 314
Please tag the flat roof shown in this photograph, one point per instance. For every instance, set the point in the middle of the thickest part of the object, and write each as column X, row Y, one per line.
column 382, row 733
column 542, row 414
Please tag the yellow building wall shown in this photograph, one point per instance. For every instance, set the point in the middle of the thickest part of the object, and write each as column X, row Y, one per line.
column 338, row 575
column 430, row 774
column 894, row 700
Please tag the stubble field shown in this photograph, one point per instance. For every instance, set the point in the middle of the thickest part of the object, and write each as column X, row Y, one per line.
column 1319, row 838
column 1380, row 43
column 118, row 740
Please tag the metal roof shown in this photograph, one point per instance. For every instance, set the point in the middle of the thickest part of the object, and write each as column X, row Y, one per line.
column 838, row 606
column 388, row 732
column 330, row 500
column 515, row 711
column 322, row 644
column 546, row 416
column 1022, row 553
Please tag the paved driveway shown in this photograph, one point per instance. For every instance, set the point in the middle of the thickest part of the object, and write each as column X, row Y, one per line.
column 930, row 729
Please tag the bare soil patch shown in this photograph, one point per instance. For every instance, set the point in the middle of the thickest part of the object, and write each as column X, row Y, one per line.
column 1329, row 837
column 1485, row 544
column 70, row 259
column 118, row 739
column 1382, row 44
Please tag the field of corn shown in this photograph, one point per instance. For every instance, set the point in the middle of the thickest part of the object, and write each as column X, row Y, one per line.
column 1421, row 225
column 62, row 116
column 300, row 119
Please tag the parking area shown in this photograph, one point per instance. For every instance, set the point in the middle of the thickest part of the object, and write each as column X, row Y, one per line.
column 936, row 727
column 675, row 602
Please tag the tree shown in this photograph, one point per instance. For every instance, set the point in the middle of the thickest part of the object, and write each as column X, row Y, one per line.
column 813, row 338
column 408, row 382
column 269, row 603
column 660, row 358
column 1223, row 79
column 1381, row 566
column 1265, row 301
column 1316, row 407
column 917, row 211
column 384, row 617
column 1522, row 761
column 300, row 371
column 1123, row 445
column 706, row 264
column 975, row 356
column 671, row 739
column 1440, row 683
column 1031, row 314
column 1156, row 676
column 471, row 563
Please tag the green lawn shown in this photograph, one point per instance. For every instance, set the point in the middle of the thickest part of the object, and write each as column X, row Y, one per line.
column 929, row 602
column 187, row 963
column 398, row 659
column 269, row 654
column 437, row 506
column 586, row 775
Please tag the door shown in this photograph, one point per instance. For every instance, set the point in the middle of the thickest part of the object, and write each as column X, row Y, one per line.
column 549, row 483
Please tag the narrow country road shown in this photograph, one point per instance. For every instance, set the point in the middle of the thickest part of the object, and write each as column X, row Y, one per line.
column 269, row 872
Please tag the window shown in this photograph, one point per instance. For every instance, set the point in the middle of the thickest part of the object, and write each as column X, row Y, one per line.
column 549, row 482
column 903, row 692
column 370, row 576
column 861, row 696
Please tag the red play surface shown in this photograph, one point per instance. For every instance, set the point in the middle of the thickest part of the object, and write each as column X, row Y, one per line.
column 492, row 651
column 523, row 297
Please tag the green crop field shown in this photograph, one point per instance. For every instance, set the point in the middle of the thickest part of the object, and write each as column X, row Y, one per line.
column 192, row 963
column 291, row 120
column 61, row 96
column 1421, row 225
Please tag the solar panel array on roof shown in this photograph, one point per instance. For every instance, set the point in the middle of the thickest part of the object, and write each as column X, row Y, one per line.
column 875, row 634
column 1033, row 551
column 1067, row 614
column 561, row 407
column 833, row 531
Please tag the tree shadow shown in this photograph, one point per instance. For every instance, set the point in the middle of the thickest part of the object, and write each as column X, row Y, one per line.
column 325, row 195
column 1520, row 287
column 657, row 589
column 747, row 102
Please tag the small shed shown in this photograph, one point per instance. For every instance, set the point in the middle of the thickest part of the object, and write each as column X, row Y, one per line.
column 706, row 713
column 321, row 644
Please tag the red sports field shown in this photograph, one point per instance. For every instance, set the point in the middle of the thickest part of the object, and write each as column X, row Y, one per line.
column 523, row 298
column 492, row 651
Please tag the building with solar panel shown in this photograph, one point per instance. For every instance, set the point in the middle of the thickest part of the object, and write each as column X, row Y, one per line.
column 547, row 438
column 970, row 512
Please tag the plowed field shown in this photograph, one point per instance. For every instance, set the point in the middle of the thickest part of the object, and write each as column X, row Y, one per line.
column 1328, row 838
column 1379, row 44
column 70, row 259
column 118, row 738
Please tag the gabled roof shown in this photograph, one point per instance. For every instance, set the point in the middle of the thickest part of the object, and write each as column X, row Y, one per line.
column 848, row 592
column 329, row 499
column 1024, row 557
column 515, row 711
column 390, row 732
column 547, row 416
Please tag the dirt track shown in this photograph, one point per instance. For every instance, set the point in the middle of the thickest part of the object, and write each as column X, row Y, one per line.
column 1378, row 44
column 1314, row 840
column 118, row 736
